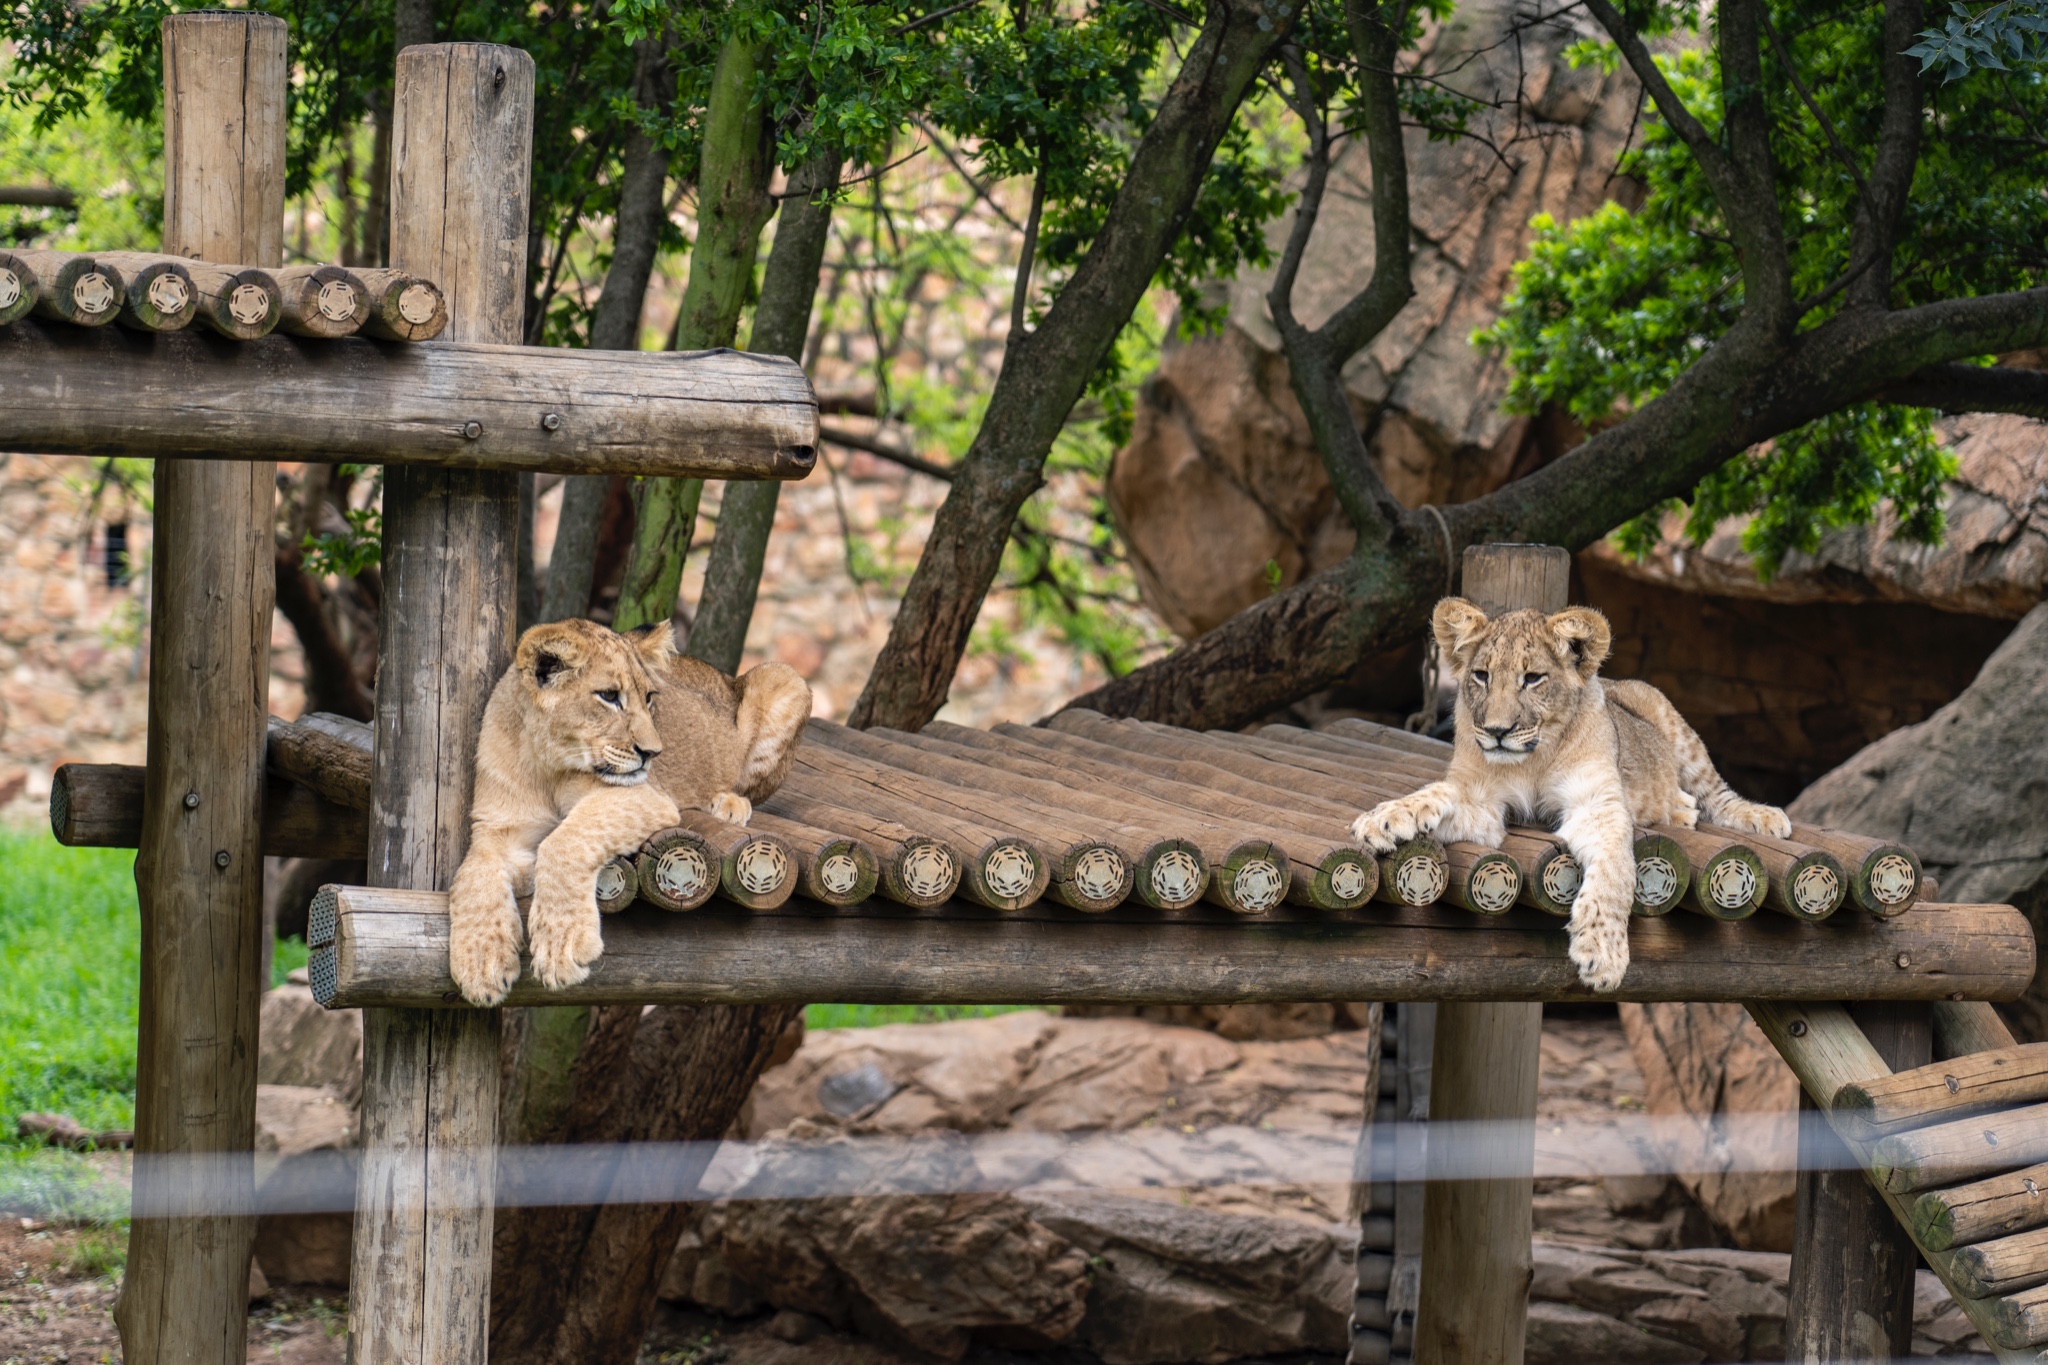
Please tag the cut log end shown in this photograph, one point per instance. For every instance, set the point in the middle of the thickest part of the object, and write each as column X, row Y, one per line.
column 1344, row 880
column 1816, row 887
column 1561, row 880
column 1416, row 873
column 618, row 885
column 17, row 289
column 677, row 870
column 926, row 873
column 1174, row 876
column 841, row 872
column 1662, row 871
column 759, row 873
column 1494, row 884
column 1008, row 875
column 1094, row 878
column 1893, row 879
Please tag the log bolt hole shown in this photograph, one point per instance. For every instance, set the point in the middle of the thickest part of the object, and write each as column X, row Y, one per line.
column 472, row 430
column 551, row 421
column 1905, row 960
column 221, row 859
column 1797, row 1028
column 191, row 800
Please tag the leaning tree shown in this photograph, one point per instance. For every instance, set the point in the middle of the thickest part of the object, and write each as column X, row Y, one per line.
column 1834, row 242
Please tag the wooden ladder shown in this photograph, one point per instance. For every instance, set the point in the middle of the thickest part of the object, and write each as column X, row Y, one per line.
column 1956, row 1150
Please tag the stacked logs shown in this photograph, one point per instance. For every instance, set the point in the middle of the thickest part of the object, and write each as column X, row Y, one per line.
column 155, row 293
column 1090, row 813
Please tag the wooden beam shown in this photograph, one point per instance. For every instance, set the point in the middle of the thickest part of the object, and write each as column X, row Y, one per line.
column 1476, row 1256
column 198, row 866
column 462, row 155
column 100, row 805
column 458, row 404
column 387, row 947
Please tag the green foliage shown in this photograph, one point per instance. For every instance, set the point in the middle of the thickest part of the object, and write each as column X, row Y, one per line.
column 112, row 165
column 2011, row 30
column 869, row 1016
column 1608, row 311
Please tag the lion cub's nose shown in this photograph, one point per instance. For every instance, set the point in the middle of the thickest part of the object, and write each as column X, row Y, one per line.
column 1497, row 731
column 647, row 755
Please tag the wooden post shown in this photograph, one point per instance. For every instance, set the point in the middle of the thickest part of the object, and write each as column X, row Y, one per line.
column 462, row 150
column 1474, row 1304
column 199, row 869
column 1851, row 1290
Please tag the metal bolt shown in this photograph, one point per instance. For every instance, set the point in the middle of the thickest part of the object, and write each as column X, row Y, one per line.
column 1905, row 960
column 1797, row 1028
column 191, row 800
column 551, row 421
column 221, row 859
column 472, row 429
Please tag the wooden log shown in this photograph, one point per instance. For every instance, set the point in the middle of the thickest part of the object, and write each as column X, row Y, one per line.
column 462, row 138
column 1966, row 1149
column 1415, row 873
column 1962, row 1027
column 1997, row 1206
column 835, row 869
column 330, row 755
column 1728, row 879
column 1484, row 881
column 240, row 303
column 73, row 287
column 999, row 868
column 1550, row 875
column 157, row 294
column 2017, row 1321
column 19, row 289
column 1850, row 1290
column 1945, row 1090
column 1662, row 874
column 100, row 805
column 1804, row 882
column 2002, row 1266
column 391, row 950
column 677, row 869
column 618, row 885
column 1324, row 872
column 401, row 307
column 913, row 868
column 1090, row 868
column 755, row 868
column 1884, row 877
column 458, row 404
column 321, row 301
column 198, row 869
column 1827, row 1051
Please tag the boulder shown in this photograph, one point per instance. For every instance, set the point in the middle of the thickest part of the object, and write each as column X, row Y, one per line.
column 1703, row 1061
column 305, row 1150
column 304, row 1044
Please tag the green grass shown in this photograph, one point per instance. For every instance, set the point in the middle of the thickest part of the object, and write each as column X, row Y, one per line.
column 867, row 1016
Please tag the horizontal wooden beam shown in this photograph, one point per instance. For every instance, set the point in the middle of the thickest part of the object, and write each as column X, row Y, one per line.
column 154, row 395
column 382, row 947
column 99, row 805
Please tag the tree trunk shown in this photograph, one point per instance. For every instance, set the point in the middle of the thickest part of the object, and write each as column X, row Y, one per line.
column 1044, row 374
column 615, row 325
column 782, row 321
column 732, row 190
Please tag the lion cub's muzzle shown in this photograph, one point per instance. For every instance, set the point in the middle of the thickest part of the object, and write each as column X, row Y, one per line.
column 1503, row 744
column 625, row 767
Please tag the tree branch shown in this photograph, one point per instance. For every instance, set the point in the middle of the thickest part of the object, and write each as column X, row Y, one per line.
column 1972, row 388
column 1875, row 224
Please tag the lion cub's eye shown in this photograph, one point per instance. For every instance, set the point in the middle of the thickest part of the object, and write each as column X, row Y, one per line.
column 1531, row 679
column 1479, row 676
column 610, row 696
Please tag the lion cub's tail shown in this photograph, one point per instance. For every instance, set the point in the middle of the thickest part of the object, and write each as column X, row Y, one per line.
column 1719, row 805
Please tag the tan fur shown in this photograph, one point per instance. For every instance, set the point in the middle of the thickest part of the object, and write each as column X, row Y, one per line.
column 1541, row 735
column 591, row 742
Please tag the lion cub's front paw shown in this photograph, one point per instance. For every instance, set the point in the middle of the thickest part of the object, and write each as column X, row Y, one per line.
column 564, row 940
column 1754, row 817
column 484, row 960
column 1600, row 952
column 732, row 808
column 1392, row 823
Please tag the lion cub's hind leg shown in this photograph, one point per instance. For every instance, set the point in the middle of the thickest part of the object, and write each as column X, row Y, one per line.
column 774, row 703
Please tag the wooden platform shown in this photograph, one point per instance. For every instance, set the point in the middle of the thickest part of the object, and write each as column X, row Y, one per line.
column 375, row 947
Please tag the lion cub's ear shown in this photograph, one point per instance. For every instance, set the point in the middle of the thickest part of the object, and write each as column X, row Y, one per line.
column 550, row 650
column 1458, row 626
column 654, row 643
column 1583, row 636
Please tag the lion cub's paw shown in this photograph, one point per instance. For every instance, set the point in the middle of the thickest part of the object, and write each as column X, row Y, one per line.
column 1754, row 817
column 1391, row 823
column 563, row 950
column 732, row 808
column 484, row 960
column 1600, row 952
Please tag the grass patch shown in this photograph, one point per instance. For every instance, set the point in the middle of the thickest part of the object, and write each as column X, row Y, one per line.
column 288, row 956
column 867, row 1016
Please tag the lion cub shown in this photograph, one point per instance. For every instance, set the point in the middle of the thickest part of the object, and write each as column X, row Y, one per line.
column 591, row 742
column 1541, row 735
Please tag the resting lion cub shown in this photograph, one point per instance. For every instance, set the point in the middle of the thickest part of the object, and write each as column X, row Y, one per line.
column 579, row 762
column 1541, row 735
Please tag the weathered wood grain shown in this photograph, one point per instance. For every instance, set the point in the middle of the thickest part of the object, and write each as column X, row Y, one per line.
column 1884, row 877
column 321, row 301
column 755, row 867
column 315, row 756
column 74, row 287
column 402, row 307
column 18, row 288
column 158, row 294
column 677, row 869
column 1966, row 1149
column 462, row 139
column 834, row 869
column 99, row 805
column 1728, row 878
column 1946, row 1090
column 391, row 949
column 198, row 865
column 191, row 394
column 914, row 869
column 1997, row 1206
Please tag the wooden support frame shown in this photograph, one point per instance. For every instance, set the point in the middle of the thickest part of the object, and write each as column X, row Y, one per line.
column 462, row 155
column 199, row 871
column 456, row 404
column 377, row 947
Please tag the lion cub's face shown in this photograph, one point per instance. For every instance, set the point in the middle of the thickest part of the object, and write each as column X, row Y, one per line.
column 591, row 698
column 1521, row 676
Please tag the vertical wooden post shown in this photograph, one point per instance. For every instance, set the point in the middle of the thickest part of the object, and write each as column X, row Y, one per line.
column 1851, row 1292
column 1474, row 1303
column 462, row 152
column 199, row 867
